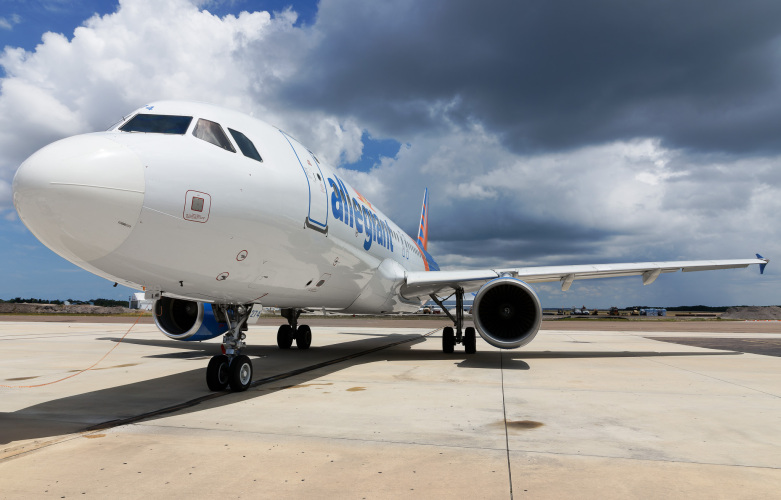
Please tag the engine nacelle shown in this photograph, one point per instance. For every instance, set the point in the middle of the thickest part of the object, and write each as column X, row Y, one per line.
column 507, row 313
column 187, row 320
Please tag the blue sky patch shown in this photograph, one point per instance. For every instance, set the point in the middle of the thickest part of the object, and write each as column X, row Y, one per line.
column 373, row 151
column 25, row 22
column 307, row 10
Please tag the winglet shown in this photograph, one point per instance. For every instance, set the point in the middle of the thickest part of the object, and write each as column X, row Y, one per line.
column 762, row 266
column 423, row 229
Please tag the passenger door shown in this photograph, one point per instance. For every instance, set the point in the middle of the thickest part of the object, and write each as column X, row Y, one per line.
column 317, row 217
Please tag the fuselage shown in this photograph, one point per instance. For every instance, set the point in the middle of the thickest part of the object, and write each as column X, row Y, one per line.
column 172, row 207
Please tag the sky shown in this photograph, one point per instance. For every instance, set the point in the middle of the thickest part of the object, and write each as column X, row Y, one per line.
column 548, row 133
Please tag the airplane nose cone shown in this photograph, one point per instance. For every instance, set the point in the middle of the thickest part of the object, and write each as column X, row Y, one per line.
column 80, row 196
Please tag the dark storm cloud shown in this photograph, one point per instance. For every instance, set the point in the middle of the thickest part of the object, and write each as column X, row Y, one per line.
column 552, row 75
column 531, row 244
column 505, row 231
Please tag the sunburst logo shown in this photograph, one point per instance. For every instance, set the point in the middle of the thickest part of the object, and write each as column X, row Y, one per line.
column 360, row 197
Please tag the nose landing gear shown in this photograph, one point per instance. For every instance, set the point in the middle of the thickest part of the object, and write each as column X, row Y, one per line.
column 231, row 368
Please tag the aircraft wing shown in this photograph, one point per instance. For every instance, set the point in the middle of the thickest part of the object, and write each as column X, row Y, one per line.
column 427, row 282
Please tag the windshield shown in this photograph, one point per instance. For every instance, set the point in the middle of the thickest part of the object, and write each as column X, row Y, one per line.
column 245, row 145
column 158, row 124
column 210, row 131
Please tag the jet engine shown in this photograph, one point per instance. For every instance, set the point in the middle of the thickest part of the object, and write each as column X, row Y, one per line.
column 507, row 313
column 181, row 319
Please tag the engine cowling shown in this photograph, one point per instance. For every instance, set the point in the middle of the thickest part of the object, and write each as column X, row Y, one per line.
column 507, row 313
column 188, row 320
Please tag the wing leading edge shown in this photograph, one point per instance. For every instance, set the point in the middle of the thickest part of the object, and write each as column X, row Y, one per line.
column 427, row 282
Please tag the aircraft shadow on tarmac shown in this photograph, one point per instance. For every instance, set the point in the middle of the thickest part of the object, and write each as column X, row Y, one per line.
column 186, row 391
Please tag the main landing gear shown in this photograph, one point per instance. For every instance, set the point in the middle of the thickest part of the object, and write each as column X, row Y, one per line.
column 449, row 337
column 231, row 368
column 302, row 334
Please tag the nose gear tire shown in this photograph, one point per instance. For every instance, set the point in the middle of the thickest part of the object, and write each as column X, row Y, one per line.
column 218, row 373
column 240, row 373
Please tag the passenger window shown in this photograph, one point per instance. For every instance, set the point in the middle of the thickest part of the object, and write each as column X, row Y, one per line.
column 212, row 132
column 158, row 124
column 245, row 145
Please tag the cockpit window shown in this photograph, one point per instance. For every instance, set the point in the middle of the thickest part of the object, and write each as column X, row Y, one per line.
column 158, row 124
column 245, row 145
column 212, row 132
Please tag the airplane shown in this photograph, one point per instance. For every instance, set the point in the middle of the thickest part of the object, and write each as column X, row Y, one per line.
column 211, row 212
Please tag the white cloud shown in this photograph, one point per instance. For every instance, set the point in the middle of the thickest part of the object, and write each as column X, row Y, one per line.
column 8, row 23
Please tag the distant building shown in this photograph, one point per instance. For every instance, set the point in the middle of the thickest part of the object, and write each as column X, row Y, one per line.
column 137, row 301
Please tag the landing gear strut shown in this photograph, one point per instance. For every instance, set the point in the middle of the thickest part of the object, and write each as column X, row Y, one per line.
column 302, row 334
column 231, row 368
column 449, row 337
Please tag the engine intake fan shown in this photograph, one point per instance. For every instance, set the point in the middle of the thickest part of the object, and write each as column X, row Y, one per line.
column 507, row 313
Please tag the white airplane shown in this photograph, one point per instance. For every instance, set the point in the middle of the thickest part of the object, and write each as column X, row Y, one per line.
column 210, row 212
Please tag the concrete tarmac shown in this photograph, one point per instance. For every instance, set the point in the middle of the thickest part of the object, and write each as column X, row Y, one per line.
column 586, row 414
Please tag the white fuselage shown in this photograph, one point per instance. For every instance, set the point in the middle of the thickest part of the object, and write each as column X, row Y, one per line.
column 176, row 214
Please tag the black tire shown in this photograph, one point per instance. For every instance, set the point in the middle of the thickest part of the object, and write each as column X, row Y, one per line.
column 218, row 373
column 448, row 340
column 470, row 340
column 240, row 373
column 303, row 337
column 285, row 337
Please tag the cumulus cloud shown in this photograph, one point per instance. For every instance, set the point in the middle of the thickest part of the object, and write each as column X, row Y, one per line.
column 547, row 134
